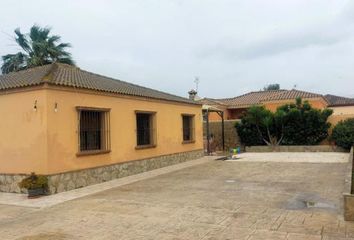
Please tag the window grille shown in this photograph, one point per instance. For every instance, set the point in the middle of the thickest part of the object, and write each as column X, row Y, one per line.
column 145, row 129
column 93, row 131
column 188, row 127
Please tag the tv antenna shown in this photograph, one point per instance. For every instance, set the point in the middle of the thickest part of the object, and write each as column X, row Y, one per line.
column 196, row 81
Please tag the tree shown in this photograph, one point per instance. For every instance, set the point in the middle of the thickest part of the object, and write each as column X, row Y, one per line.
column 248, row 135
column 274, row 86
column 38, row 48
column 304, row 125
column 292, row 124
column 260, row 124
column 343, row 133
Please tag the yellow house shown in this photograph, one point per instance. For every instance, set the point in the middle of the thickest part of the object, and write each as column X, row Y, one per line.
column 235, row 108
column 80, row 128
column 343, row 108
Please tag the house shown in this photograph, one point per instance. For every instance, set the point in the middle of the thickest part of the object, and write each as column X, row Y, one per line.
column 342, row 107
column 235, row 107
column 81, row 128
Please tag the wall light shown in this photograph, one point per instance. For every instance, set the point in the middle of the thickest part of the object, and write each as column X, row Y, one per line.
column 35, row 106
column 56, row 107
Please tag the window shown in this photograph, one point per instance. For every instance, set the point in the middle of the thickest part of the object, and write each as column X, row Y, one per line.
column 94, row 135
column 145, row 129
column 188, row 128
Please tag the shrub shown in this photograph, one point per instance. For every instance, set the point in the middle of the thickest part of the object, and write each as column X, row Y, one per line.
column 34, row 181
column 292, row 124
column 304, row 125
column 260, row 126
column 343, row 133
column 247, row 133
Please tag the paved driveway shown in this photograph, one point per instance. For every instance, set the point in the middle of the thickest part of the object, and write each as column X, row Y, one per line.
column 215, row 200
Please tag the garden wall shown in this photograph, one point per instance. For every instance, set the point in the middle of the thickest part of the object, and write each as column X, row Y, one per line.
column 232, row 140
column 315, row 148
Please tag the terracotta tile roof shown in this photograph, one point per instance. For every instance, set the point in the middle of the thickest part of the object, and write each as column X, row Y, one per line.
column 249, row 99
column 70, row 76
column 210, row 101
column 30, row 77
column 334, row 100
column 291, row 94
column 255, row 98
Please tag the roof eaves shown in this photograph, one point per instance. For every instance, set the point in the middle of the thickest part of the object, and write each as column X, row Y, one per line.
column 117, row 93
column 241, row 106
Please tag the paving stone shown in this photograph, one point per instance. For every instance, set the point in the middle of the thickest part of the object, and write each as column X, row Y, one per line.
column 300, row 236
column 267, row 235
column 211, row 200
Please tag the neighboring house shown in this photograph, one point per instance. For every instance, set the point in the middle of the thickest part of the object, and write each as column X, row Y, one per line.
column 80, row 128
column 342, row 107
column 235, row 107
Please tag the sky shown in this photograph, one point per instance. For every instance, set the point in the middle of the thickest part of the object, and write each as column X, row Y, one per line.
column 232, row 46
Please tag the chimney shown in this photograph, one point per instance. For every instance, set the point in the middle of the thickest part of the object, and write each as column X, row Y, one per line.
column 192, row 94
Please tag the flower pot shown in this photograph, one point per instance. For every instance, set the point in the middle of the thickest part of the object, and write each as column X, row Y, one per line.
column 36, row 192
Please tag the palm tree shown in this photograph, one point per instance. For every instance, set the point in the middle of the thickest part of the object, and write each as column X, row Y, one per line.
column 38, row 48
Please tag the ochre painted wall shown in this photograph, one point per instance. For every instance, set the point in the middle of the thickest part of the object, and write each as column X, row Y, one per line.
column 236, row 113
column 315, row 103
column 215, row 117
column 23, row 132
column 63, row 137
column 46, row 142
column 232, row 114
column 341, row 113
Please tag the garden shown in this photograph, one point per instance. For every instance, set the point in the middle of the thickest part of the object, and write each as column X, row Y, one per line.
column 297, row 123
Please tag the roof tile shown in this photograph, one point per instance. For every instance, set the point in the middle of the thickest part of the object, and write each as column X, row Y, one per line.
column 70, row 76
column 291, row 94
column 255, row 98
column 249, row 99
column 334, row 100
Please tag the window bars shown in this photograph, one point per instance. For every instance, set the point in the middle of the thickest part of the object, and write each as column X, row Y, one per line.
column 94, row 130
column 188, row 128
column 145, row 131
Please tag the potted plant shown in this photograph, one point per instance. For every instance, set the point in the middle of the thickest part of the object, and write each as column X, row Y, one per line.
column 36, row 185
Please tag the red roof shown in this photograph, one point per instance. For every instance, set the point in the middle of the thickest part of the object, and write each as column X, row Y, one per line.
column 256, row 98
column 291, row 94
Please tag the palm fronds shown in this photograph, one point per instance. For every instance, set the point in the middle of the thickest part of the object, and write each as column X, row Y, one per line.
column 39, row 48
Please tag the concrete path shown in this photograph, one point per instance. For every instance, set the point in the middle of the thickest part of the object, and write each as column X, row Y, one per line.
column 51, row 200
column 216, row 200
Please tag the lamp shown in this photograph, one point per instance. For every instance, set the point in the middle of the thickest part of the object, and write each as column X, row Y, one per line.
column 35, row 106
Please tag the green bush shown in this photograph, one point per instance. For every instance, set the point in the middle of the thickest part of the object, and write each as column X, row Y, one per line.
column 292, row 124
column 259, row 126
column 247, row 133
column 34, row 181
column 343, row 133
column 304, row 125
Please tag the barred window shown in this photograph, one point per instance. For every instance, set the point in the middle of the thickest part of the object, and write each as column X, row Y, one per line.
column 188, row 128
column 94, row 135
column 145, row 129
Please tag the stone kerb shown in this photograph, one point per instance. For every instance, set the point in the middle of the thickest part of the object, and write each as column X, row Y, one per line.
column 348, row 196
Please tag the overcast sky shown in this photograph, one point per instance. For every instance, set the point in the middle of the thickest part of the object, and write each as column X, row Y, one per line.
column 233, row 46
